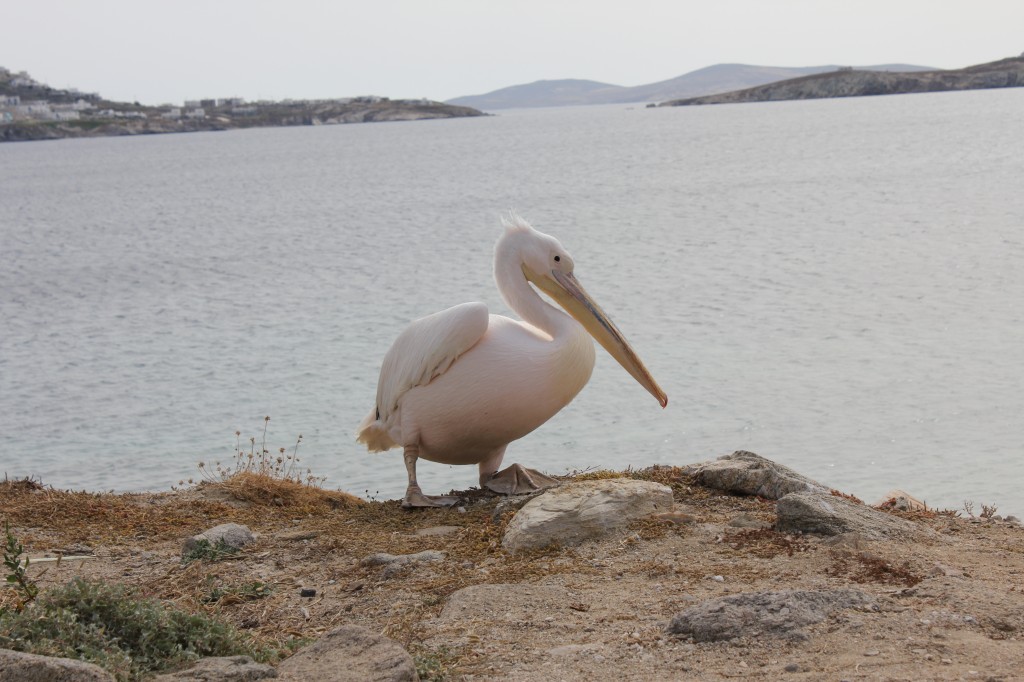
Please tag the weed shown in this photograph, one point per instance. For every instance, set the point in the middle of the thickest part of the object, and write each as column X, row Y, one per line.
column 765, row 542
column 435, row 665
column 204, row 550
column 236, row 594
column 18, row 570
column 869, row 568
column 109, row 625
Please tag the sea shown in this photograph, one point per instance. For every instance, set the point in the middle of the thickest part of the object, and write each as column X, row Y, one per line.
column 836, row 285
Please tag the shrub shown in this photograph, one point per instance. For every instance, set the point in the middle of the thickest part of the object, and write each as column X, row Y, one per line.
column 112, row 627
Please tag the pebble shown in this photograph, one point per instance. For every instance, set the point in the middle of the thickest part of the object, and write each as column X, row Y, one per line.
column 872, row 652
column 307, row 592
column 792, row 668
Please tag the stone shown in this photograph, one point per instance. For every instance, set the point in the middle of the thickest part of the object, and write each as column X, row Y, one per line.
column 586, row 510
column 901, row 501
column 383, row 558
column 779, row 614
column 17, row 666
column 350, row 653
column 221, row 669
column 834, row 515
column 232, row 534
column 749, row 474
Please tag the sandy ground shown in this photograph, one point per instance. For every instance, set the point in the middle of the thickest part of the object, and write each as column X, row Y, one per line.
column 950, row 605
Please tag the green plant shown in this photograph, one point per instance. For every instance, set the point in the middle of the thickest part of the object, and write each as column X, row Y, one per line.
column 111, row 626
column 204, row 550
column 18, row 570
column 233, row 594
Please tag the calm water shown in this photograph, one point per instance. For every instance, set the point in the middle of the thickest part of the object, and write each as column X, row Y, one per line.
column 836, row 285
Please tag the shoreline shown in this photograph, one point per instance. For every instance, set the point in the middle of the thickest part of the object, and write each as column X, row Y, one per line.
column 940, row 597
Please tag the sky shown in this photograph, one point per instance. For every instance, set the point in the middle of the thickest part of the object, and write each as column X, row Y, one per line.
column 166, row 52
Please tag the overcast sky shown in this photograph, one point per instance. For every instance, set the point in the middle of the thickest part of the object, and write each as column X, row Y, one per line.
column 157, row 52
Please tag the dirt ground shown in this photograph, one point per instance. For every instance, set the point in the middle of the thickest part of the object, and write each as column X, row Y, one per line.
column 951, row 605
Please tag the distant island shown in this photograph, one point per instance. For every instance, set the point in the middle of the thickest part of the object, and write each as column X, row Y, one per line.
column 850, row 82
column 30, row 110
column 706, row 81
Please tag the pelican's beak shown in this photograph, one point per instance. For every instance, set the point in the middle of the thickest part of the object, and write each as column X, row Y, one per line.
column 567, row 291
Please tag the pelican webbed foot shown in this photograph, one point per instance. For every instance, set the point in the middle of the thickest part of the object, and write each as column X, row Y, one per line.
column 516, row 479
column 414, row 498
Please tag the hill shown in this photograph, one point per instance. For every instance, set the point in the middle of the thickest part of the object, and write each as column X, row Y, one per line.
column 708, row 80
column 1005, row 73
column 30, row 110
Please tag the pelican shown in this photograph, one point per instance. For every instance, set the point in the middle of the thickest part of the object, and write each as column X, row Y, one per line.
column 458, row 386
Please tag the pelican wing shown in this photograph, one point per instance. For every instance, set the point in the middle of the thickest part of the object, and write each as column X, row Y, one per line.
column 426, row 349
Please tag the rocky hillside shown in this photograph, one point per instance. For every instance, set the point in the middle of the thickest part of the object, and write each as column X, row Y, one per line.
column 1005, row 73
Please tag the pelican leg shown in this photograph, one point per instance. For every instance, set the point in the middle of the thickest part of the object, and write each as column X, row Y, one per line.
column 514, row 479
column 414, row 497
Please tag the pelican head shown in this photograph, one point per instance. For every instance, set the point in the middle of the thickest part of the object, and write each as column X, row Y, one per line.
column 548, row 266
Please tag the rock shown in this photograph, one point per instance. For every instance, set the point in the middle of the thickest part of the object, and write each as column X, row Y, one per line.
column 747, row 521
column 764, row 614
column 350, row 654
column 833, row 515
column 901, row 501
column 221, row 669
column 17, row 666
column 582, row 511
column 383, row 558
column 749, row 474
column 231, row 534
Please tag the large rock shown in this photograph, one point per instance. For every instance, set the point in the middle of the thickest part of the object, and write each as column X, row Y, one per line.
column 16, row 666
column 350, row 654
column 834, row 515
column 764, row 614
column 749, row 474
column 221, row 669
column 582, row 511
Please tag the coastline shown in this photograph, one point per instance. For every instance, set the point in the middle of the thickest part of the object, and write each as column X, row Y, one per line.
column 944, row 600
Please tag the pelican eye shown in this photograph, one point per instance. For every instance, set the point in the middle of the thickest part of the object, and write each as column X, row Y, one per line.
column 558, row 259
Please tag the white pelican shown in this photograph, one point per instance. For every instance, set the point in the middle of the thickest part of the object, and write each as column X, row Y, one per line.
column 458, row 386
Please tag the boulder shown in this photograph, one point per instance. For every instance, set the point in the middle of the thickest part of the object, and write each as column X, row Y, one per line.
column 231, row 534
column 350, row 654
column 221, row 669
column 583, row 511
column 17, row 666
column 834, row 515
column 749, row 474
column 765, row 614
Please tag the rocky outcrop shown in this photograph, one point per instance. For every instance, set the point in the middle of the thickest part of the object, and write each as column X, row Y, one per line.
column 1005, row 73
column 582, row 511
column 765, row 614
column 834, row 515
column 746, row 473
